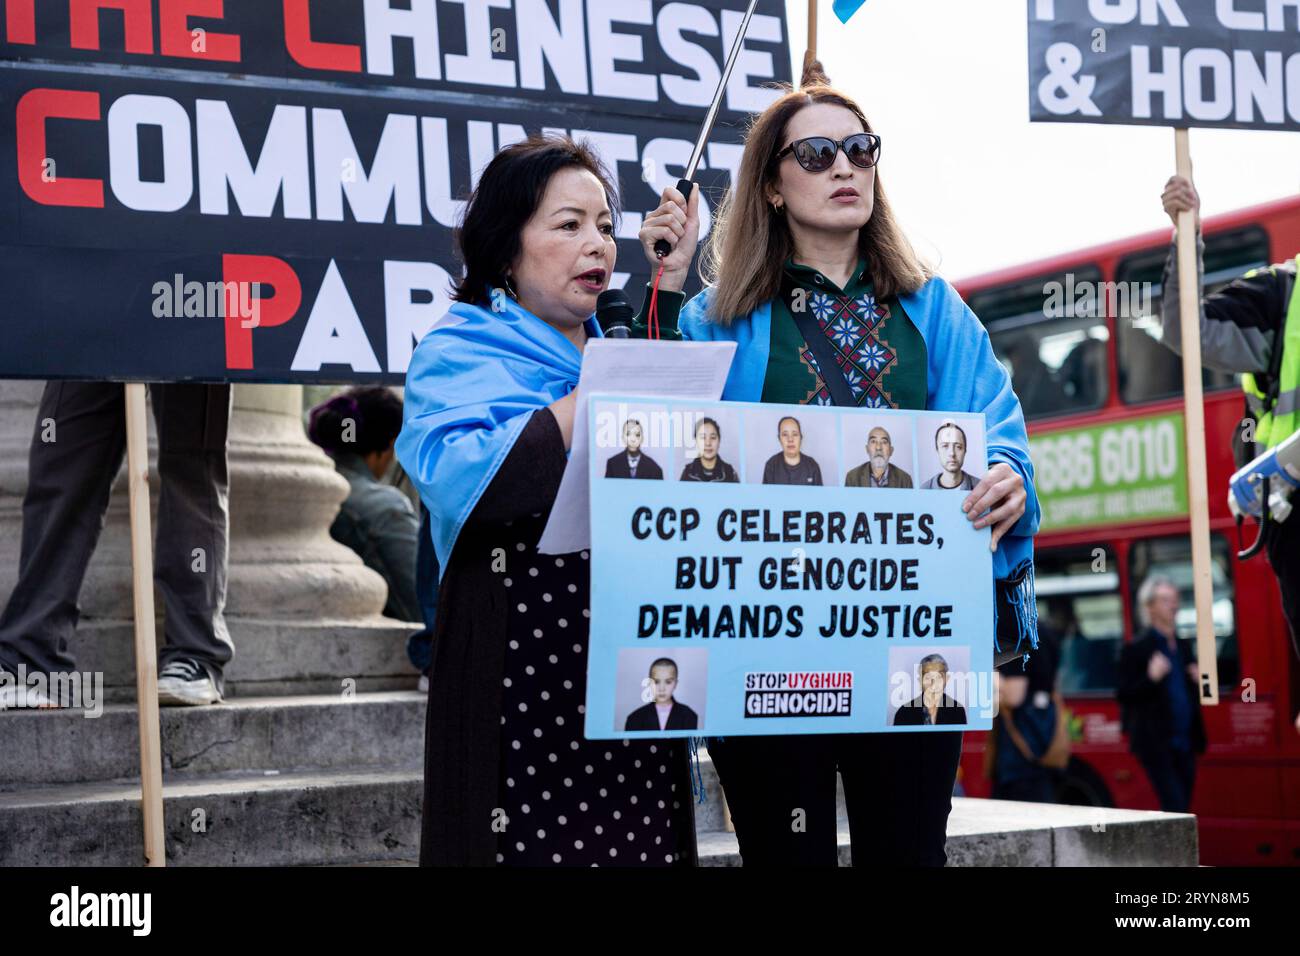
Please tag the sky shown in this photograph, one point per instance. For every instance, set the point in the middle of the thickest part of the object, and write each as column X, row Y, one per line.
column 977, row 186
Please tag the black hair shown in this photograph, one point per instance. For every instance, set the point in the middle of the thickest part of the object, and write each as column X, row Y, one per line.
column 509, row 191
column 708, row 421
column 788, row 418
column 950, row 425
column 375, row 413
column 663, row 662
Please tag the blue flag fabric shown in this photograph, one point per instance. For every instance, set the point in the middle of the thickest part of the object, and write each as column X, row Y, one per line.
column 846, row 8
column 474, row 381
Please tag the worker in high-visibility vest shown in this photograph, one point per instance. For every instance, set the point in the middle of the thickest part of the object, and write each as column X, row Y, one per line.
column 1251, row 326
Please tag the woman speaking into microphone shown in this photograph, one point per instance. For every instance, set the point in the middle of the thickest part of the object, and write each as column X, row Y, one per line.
column 808, row 272
column 509, row 777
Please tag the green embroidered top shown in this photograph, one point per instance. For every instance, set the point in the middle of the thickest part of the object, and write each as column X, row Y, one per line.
column 879, row 349
column 881, row 352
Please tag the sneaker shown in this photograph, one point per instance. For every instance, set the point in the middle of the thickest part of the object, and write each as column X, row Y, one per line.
column 18, row 696
column 186, row 683
column 423, row 685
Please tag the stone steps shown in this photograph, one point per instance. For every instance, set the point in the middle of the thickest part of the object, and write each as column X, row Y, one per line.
column 241, row 819
column 1002, row 833
column 278, row 780
column 320, row 780
column 272, row 657
column 325, row 732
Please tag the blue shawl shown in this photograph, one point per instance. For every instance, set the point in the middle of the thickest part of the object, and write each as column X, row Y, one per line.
column 963, row 375
column 473, row 382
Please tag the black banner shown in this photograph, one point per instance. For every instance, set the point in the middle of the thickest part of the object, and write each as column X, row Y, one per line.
column 268, row 194
column 1216, row 63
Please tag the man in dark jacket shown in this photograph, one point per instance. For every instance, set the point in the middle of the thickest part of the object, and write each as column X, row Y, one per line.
column 632, row 462
column 71, row 470
column 1159, row 704
column 878, row 471
column 1245, row 328
column 932, row 706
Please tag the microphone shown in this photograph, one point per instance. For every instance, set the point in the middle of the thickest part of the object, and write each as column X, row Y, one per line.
column 614, row 313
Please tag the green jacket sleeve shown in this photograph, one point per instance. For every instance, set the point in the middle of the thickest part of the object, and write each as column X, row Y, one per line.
column 670, row 307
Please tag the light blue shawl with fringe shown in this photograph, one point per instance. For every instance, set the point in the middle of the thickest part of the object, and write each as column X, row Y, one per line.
column 474, row 381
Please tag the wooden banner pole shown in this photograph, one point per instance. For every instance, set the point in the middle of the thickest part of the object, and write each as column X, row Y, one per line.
column 810, row 51
column 146, row 648
column 1198, row 503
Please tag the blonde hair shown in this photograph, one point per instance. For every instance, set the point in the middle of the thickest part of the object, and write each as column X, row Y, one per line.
column 750, row 242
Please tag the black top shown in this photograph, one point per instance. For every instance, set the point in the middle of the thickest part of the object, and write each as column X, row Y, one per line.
column 694, row 471
column 620, row 467
column 464, row 769
column 1035, row 719
column 680, row 717
column 1144, row 704
column 1042, row 665
column 777, row 472
column 913, row 713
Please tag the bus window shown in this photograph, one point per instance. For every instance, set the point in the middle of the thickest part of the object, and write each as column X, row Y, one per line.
column 1081, row 606
column 1172, row 558
column 1147, row 369
column 1057, row 362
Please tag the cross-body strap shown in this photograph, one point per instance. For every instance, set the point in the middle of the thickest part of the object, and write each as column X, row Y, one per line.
column 832, row 373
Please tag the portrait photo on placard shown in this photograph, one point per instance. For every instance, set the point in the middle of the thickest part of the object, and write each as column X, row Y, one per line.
column 636, row 440
column 710, row 445
column 931, row 687
column 658, row 690
column 785, row 447
column 878, row 451
column 950, row 451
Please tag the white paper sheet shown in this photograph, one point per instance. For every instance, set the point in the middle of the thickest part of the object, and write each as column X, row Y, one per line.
column 644, row 367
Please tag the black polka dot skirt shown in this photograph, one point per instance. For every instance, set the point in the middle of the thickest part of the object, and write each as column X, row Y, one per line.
column 570, row 801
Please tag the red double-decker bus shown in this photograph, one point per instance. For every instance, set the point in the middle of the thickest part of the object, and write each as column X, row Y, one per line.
column 1103, row 399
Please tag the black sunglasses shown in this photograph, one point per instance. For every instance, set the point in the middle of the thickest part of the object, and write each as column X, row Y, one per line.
column 817, row 153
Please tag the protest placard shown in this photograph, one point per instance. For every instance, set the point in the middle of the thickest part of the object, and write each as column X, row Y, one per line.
column 1181, row 63
column 785, row 569
column 1223, row 63
column 267, row 192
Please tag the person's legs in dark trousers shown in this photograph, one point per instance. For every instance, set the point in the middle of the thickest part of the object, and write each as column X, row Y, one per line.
column 1283, row 543
column 76, row 451
column 1185, row 765
column 1169, row 779
column 1035, row 787
column 898, row 788
column 191, row 556
column 419, row 646
column 781, row 794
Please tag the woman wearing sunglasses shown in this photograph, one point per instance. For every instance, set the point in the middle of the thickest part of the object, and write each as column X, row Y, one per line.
column 808, row 272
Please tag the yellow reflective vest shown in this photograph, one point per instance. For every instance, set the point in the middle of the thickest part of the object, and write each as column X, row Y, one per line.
column 1283, row 419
